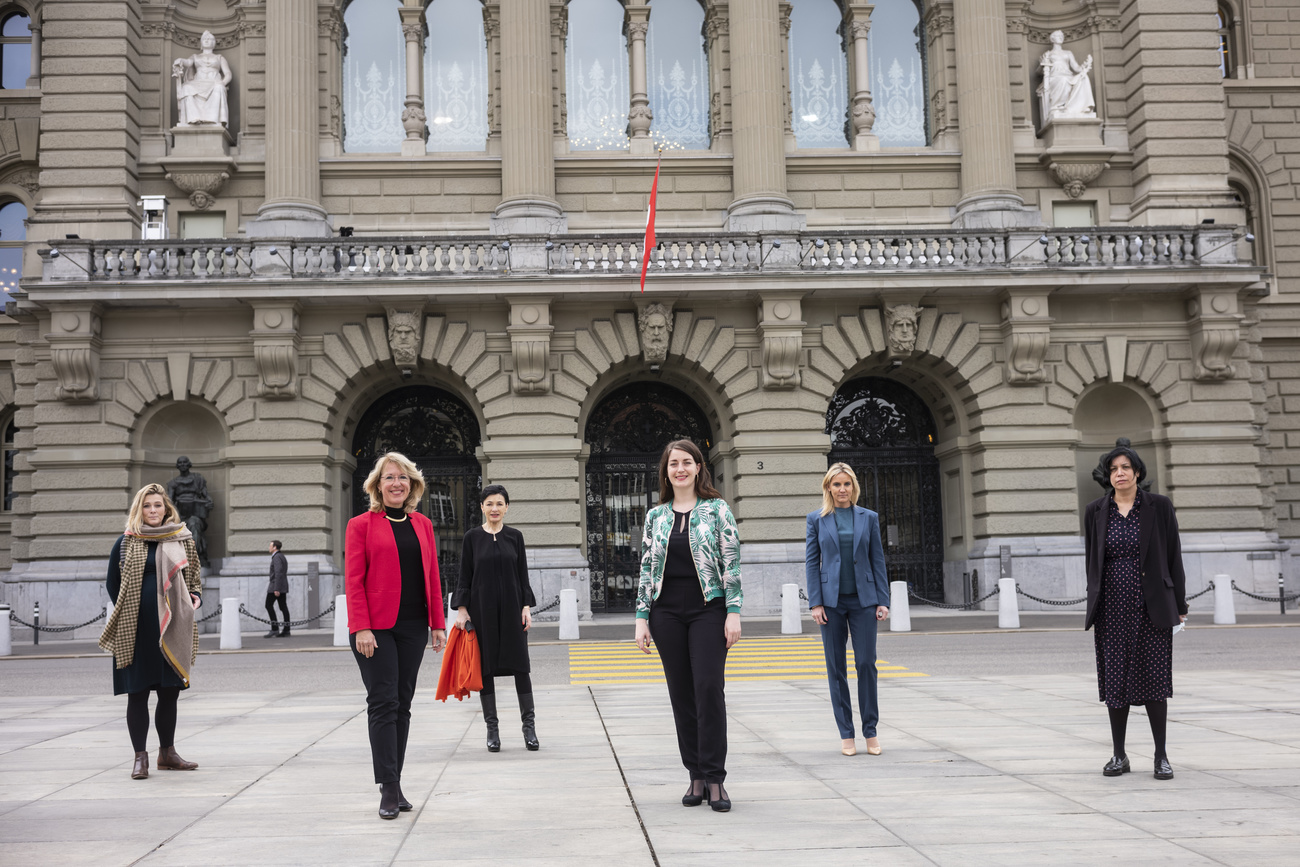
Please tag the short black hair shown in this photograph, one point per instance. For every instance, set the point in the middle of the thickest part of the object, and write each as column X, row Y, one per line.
column 1123, row 448
column 276, row 543
column 493, row 489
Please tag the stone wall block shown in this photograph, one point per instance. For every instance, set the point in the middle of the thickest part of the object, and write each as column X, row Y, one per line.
column 338, row 352
column 856, row 335
column 683, row 322
column 486, row 367
column 358, row 341
column 433, row 326
column 700, row 336
column 607, row 335
column 945, row 331
column 450, row 343
column 575, row 366
column 469, row 353
column 724, row 373
column 718, row 350
column 834, row 342
column 217, row 380
column 627, row 329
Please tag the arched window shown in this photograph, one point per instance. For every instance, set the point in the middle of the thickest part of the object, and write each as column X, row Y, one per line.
column 896, row 46
column 374, row 77
column 456, row 76
column 13, row 232
column 595, row 77
column 1226, row 20
column 7, row 467
column 818, row 87
column 15, row 51
column 678, row 75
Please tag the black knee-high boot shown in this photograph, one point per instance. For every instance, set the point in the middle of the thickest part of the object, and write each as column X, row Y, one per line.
column 529, row 717
column 489, row 701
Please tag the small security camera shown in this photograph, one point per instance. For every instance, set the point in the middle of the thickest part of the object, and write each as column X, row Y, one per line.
column 407, row 373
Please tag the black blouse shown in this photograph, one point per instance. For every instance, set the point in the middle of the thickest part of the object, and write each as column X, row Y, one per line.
column 679, row 563
column 414, row 605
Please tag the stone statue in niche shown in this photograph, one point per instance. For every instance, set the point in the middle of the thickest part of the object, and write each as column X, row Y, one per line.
column 189, row 492
column 1066, row 90
column 201, row 82
column 655, row 323
column 900, row 328
column 404, row 335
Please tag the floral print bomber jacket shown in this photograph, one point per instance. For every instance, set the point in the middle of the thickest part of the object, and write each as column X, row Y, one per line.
column 715, row 548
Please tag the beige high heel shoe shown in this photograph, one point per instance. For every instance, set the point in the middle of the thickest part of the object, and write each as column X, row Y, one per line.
column 873, row 750
column 848, row 747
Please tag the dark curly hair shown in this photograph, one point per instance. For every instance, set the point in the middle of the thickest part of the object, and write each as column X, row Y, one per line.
column 1124, row 448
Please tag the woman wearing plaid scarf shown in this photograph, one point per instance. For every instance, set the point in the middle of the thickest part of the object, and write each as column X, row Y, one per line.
column 153, row 580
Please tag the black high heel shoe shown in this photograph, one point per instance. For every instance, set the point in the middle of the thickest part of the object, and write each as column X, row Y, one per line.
column 388, row 797
column 402, row 804
column 693, row 798
column 719, row 802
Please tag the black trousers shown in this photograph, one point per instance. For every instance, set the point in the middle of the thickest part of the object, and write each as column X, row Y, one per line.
column 389, row 676
column 693, row 649
column 283, row 599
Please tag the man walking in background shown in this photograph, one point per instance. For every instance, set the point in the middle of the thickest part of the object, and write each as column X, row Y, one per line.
column 277, row 590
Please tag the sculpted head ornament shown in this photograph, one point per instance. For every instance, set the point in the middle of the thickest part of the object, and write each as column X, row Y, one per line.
column 900, row 325
column 655, row 323
column 404, row 335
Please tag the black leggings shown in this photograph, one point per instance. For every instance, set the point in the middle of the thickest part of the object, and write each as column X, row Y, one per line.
column 164, row 718
column 523, row 685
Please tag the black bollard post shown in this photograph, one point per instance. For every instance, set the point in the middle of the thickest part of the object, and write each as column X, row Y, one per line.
column 36, row 622
column 1281, row 595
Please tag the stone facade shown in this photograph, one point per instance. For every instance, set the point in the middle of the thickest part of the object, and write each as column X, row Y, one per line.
column 1035, row 343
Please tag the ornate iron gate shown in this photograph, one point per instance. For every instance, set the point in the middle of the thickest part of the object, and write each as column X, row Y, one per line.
column 439, row 434
column 885, row 432
column 627, row 432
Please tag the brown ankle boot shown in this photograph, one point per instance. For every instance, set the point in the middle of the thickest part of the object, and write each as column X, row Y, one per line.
column 168, row 760
column 140, row 767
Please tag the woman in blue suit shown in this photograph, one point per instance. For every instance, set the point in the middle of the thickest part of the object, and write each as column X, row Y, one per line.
column 847, row 591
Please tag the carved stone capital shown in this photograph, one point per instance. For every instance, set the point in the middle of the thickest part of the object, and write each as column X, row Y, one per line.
column 75, row 343
column 275, row 349
column 780, row 329
column 530, row 332
column 1026, row 330
column 1214, row 325
column 636, row 30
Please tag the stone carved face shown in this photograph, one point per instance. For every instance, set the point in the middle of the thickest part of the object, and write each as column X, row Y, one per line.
column 1057, row 37
column 183, row 464
column 901, row 326
column 404, row 335
column 656, row 324
column 207, row 40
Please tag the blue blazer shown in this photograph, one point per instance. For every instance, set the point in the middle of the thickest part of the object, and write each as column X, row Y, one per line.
column 822, row 560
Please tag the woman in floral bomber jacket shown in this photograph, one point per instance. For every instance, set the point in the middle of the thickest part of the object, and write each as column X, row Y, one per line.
column 689, row 599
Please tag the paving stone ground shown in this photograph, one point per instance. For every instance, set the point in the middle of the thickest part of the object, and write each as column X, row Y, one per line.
column 994, row 770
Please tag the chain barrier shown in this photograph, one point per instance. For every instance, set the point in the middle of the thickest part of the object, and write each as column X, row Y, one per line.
column 54, row 629
column 1050, row 601
column 554, row 603
column 966, row 605
column 1207, row 589
column 1292, row 598
column 208, row 617
column 292, row 623
column 802, row 595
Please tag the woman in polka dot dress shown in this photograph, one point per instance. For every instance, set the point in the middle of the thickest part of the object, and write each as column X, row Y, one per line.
column 1136, row 595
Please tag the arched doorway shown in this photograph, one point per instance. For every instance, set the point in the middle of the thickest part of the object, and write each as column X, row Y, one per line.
column 885, row 432
column 440, row 434
column 626, row 432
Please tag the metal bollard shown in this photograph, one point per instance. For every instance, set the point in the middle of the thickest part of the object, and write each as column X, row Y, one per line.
column 1008, row 604
column 341, row 621
column 36, row 623
column 230, row 637
column 6, row 632
column 568, row 614
column 900, row 614
column 1225, row 610
column 791, row 622
column 1281, row 595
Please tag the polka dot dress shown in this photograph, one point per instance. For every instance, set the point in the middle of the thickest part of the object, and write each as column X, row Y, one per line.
column 1134, row 656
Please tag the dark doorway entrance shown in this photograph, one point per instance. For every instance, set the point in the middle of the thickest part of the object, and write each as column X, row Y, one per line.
column 439, row 434
column 885, row 432
column 627, row 432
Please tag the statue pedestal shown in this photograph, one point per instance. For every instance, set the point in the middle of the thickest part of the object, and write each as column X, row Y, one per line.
column 1075, row 155
column 200, row 163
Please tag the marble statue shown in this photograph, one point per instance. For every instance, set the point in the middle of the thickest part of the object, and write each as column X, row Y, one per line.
column 656, row 323
column 201, row 82
column 189, row 492
column 1066, row 90
column 900, row 328
column 404, row 335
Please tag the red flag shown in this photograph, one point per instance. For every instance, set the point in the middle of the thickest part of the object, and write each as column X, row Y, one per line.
column 650, row 226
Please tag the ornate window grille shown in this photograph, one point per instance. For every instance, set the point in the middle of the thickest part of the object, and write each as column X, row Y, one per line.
column 456, row 76
column 374, row 77
column 818, row 83
column 596, row 85
column 896, row 48
column 678, row 76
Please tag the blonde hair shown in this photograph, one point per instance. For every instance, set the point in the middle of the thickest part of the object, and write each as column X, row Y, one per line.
column 404, row 464
column 135, row 517
column 841, row 468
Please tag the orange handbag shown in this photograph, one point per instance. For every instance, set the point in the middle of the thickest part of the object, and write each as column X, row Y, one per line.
column 462, row 672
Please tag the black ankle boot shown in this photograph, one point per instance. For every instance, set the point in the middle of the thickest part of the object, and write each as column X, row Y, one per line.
column 388, row 800
column 275, row 631
column 490, row 720
column 402, row 804
column 529, row 717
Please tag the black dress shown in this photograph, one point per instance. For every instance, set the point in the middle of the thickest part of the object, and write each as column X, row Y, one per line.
column 148, row 668
column 494, row 586
column 1134, row 656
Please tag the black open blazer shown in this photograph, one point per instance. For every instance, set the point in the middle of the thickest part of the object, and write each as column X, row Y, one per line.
column 1160, row 556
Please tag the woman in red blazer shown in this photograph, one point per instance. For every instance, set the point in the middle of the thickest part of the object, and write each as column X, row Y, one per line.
column 394, row 599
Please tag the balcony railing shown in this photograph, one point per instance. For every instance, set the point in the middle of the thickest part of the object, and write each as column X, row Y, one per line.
column 678, row 253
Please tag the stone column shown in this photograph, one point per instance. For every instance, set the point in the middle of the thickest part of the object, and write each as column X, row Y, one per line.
column 35, row 26
column 988, row 166
column 413, row 117
column 639, row 115
column 857, row 21
column 758, row 165
column 528, row 203
column 292, row 207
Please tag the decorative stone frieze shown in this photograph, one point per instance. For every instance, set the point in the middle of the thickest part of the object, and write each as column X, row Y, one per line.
column 405, row 335
column 1214, row 323
column 275, row 349
column 655, row 323
column 200, row 163
column 1026, row 329
column 530, row 345
column 74, row 340
column 780, row 328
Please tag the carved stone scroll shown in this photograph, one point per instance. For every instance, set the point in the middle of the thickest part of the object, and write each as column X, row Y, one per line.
column 74, row 351
column 1026, row 328
column 780, row 327
column 1215, row 330
column 530, row 345
column 275, row 350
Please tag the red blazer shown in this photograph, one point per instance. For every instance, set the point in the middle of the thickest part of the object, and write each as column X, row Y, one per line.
column 372, row 573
